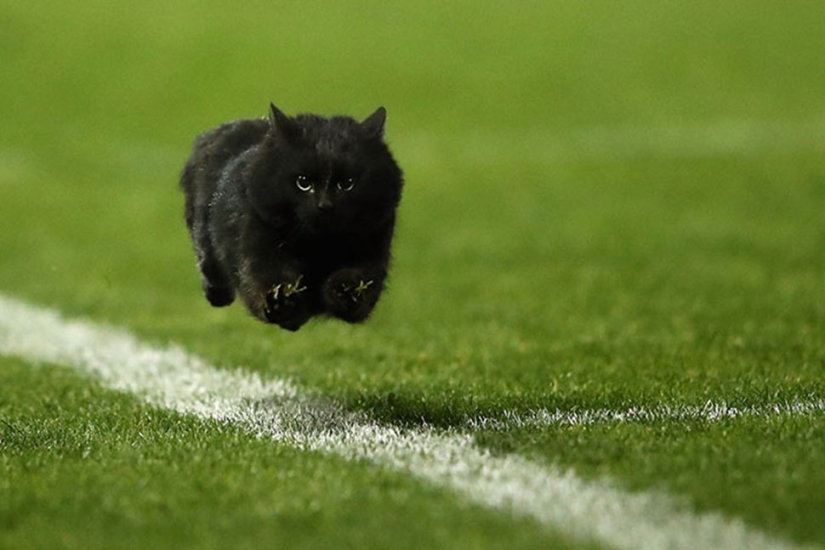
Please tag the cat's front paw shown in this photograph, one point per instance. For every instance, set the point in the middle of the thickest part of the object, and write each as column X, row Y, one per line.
column 351, row 294
column 285, row 306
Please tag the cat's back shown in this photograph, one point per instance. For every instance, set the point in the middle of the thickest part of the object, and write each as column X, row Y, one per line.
column 229, row 140
column 212, row 151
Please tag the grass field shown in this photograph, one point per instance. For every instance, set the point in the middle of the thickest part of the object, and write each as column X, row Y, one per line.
column 609, row 206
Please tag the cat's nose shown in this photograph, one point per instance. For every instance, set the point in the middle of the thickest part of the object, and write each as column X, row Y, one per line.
column 324, row 202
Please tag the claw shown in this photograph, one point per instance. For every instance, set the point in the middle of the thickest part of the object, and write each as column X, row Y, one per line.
column 280, row 290
column 273, row 293
column 362, row 286
column 294, row 288
column 358, row 290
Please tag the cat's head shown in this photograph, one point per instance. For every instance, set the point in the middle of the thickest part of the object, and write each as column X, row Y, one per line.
column 326, row 175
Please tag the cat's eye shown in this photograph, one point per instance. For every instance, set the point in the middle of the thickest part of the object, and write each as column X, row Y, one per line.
column 303, row 183
column 347, row 184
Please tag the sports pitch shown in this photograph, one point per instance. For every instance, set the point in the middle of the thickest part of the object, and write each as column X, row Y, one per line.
column 605, row 323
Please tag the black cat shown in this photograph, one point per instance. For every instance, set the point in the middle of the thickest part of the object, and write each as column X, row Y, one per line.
column 295, row 214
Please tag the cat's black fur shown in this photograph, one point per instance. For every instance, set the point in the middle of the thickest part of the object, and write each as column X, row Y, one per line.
column 294, row 214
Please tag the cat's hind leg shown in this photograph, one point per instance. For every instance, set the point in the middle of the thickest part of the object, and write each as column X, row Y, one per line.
column 216, row 285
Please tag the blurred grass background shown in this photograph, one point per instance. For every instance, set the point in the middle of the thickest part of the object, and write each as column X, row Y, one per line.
column 606, row 203
column 536, row 240
column 500, row 240
column 152, row 71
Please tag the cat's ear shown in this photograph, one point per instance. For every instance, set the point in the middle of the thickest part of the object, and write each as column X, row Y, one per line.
column 280, row 124
column 373, row 125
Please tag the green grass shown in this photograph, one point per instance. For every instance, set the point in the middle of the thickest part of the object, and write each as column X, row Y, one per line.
column 518, row 282
column 87, row 469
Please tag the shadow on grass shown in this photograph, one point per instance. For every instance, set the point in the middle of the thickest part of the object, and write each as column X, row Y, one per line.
column 454, row 411
column 458, row 412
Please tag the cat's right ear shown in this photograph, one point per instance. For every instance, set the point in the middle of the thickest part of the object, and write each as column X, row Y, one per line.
column 373, row 125
column 281, row 125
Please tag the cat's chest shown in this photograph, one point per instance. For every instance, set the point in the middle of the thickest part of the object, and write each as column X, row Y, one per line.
column 326, row 252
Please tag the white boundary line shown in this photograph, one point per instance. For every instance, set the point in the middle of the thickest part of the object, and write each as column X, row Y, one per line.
column 168, row 377
column 711, row 411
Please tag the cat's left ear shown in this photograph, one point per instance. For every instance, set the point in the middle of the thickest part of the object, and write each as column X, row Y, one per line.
column 373, row 125
column 281, row 124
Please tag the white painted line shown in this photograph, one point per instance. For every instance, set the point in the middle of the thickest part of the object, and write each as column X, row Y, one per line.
column 711, row 411
column 168, row 377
